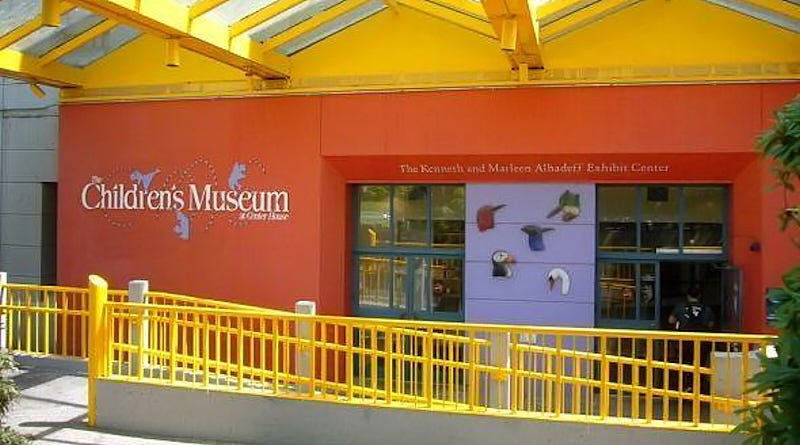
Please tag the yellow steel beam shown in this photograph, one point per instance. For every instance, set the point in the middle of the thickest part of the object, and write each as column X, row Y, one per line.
column 168, row 19
column 783, row 7
column 435, row 9
column 16, row 64
column 587, row 15
column 775, row 12
column 77, row 41
column 463, row 6
column 28, row 28
column 312, row 23
column 262, row 15
column 203, row 6
column 515, row 24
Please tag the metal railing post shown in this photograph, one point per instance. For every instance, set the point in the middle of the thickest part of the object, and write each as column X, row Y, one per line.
column 305, row 333
column 499, row 382
column 98, row 349
column 140, row 333
column 4, row 315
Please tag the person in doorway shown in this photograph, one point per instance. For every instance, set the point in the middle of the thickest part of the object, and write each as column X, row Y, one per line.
column 692, row 315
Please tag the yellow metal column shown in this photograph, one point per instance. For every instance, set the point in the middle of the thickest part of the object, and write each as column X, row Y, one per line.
column 98, row 358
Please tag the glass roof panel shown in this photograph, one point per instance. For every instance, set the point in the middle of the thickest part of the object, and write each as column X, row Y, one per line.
column 13, row 13
column 45, row 39
column 100, row 46
column 332, row 27
column 290, row 17
column 235, row 10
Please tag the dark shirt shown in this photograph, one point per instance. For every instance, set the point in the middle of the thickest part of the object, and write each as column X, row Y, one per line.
column 693, row 316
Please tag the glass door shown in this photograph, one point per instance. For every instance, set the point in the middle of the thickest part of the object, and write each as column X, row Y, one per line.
column 629, row 295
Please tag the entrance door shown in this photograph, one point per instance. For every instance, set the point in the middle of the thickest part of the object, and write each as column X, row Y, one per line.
column 629, row 294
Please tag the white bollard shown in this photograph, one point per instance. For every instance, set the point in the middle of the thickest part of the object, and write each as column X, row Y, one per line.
column 4, row 316
column 305, row 331
column 499, row 387
column 137, row 293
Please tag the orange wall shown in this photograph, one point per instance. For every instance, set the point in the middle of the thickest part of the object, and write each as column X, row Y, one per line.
column 271, row 264
column 314, row 146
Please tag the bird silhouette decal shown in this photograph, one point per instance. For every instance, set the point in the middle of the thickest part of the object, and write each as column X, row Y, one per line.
column 236, row 176
column 182, row 224
column 485, row 216
column 535, row 236
column 144, row 179
column 501, row 264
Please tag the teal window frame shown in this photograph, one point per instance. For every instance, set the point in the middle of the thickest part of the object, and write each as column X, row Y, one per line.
column 638, row 257
column 411, row 253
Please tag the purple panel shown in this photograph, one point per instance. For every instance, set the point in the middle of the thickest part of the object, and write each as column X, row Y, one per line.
column 530, row 313
column 565, row 244
column 528, row 202
column 529, row 283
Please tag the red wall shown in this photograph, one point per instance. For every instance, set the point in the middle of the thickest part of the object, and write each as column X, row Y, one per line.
column 313, row 146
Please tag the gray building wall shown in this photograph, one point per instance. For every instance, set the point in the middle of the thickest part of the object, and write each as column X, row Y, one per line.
column 28, row 173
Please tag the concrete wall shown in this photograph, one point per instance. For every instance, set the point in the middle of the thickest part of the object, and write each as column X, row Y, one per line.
column 28, row 161
column 228, row 417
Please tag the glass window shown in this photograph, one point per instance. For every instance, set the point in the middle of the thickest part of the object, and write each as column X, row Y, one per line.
column 373, row 218
column 660, row 220
column 703, row 220
column 617, row 218
column 618, row 290
column 410, row 217
column 374, row 280
column 409, row 250
column 447, row 212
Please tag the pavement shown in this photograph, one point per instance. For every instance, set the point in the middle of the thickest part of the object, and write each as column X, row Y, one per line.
column 52, row 407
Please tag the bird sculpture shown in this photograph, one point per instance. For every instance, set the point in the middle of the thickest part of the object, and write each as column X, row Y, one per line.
column 485, row 216
column 144, row 179
column 535, row 236
column 569, row 205
column 558, row 275
column 501, row 264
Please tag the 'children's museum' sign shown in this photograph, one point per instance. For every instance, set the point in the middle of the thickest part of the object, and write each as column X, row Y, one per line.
column 194, row 194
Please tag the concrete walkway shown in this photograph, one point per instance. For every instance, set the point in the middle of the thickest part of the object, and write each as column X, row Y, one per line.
column 52, row 408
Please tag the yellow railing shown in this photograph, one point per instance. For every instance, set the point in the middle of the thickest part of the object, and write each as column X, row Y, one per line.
column 680, row 380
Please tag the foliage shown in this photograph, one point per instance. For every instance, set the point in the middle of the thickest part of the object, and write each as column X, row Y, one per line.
column 8, row 393
column 776, row 420
column 781, row 143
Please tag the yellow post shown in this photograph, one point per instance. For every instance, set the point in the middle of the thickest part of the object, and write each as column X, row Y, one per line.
column 98, row 358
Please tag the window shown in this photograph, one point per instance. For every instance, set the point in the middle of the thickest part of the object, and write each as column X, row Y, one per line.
column 661, row 219
column 409, row 251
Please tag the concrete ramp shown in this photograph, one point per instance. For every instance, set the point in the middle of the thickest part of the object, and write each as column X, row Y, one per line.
column 229, row 417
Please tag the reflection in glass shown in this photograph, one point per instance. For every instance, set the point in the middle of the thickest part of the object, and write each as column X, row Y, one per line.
column 702, row 228
column 647, row 291
column 447, row 212
column 447, row 290
column 617, row 290
column 423, row 285
column 373, row 216
column 400, row 294
column 410, row 215
column 660, row 220
column 374, row 281
column 616, row 212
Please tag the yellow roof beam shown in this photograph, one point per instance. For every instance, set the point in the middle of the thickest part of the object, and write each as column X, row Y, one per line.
column 203, row 6
column 469, row 7
column 553, row 28
column 262, row 15
column 515, row 24
column 28, row 28
column 780, row 13
column 435, row 9
column 16, row 64
column 312, row 23
column 168, row 19
column 76, row 42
